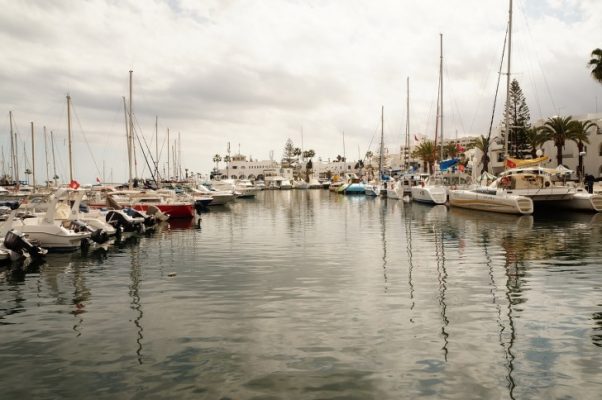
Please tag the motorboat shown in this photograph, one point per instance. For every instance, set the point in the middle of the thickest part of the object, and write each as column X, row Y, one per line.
column 300, row 184
column 394, row 190
column 217, row 197
column 245, row 188
column 485, row 199
column 52, row 234
column 372, row 189
column 430, row 191
column 546, row 188
column 14, row 245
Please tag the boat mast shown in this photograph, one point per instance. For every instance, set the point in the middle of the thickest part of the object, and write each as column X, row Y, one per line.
column 157, row 150
column 168, row 156
column 129, row 144
column 33, row 159
column 382, row 148
column 407, row 143
column 46, row 155
column 507, row 114
column 53, row 159
column 69, row 137
column 441, row 92
column 131, row 131
column 13, row 150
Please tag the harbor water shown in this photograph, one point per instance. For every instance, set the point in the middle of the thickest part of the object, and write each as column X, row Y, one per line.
column 313, row 295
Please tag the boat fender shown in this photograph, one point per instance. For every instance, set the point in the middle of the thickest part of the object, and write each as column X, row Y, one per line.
column 505, row 181
column 547, row 184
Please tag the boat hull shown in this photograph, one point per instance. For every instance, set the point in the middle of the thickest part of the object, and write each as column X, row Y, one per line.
column 506, row 204
column 429, row 194
column 173, row 210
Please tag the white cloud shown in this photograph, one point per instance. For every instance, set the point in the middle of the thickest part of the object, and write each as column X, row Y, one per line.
column 257, row 72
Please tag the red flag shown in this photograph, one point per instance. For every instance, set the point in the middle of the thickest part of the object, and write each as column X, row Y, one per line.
column 74, row 184
column 510, row 163
column 416, row 138
column 98, row 179
column 461, row 167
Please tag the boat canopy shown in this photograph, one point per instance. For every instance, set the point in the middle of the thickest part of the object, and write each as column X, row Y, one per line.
column 521, row 163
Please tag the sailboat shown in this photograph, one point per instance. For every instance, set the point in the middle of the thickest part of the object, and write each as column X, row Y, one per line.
column 492, row 198
column 432, row 190
column 374, row 188
column 395, row 188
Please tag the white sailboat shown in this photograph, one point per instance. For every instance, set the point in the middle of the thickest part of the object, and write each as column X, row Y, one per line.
column 373, row 188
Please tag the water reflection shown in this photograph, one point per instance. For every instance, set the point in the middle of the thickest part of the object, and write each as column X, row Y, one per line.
column 306, row 294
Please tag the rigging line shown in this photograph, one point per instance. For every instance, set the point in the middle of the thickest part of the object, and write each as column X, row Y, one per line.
column 86, row 139
column 150, row 153
column 137, row 136
column 497, row 88
column 456, row 114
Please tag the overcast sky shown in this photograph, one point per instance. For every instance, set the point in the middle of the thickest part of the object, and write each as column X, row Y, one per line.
column 255, row 73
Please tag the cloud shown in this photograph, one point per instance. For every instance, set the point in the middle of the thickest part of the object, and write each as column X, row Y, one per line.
column 259, row 72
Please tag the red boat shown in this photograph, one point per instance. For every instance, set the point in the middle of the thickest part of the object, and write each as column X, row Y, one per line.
column 174, row 210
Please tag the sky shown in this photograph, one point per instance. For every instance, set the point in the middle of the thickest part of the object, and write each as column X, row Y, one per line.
column 256, row 73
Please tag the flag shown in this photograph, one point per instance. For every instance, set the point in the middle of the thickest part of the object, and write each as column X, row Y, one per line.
column 461, row 167
column 416, row 138
column 98, row 179
column 459, row 148
column 74, row 184
column 510, row 163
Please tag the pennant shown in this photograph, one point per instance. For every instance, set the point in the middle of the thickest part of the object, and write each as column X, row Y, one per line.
column 98, row 179
column 510, row 163
column 74, row 184
column 416, row 138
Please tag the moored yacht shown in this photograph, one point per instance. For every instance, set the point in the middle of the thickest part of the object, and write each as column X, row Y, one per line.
column 430, row 191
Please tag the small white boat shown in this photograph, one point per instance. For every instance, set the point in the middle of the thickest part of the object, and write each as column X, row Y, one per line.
column 584, row 201
column 51, row 234
column 300, row 184
column 484, row 199
column 395, row 190
column 372, row 189
column 430, row 191
column 245, row 188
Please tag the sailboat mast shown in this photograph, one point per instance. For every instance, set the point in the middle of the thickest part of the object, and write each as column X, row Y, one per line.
column 131, row 129
column 157, row 148
column 407, row 143
column 12, row 149
column 33, row 159
column 129, row 144
column 168, row 156
column 53, row 159
column 69, row 137
column 441, row 94
column 382, row 135
column 46, row 155
column 507, row 114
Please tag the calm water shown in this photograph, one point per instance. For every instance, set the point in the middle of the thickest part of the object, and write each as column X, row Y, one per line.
column 312, row 295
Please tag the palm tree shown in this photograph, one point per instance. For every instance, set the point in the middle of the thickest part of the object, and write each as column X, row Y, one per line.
column 216, row 159
column 535, row 138
column 580, row 137
column 450, row 150
column 596, row 64
column 482, row 143
column 559, row 130
column 427, row 152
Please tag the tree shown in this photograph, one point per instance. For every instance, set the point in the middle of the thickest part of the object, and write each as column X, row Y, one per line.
column 227, row 158
column 427, row 152
column 482, row 143
column 559, row 130
column 519, row 118
column 216, row 159
column 579, row 136
column 450, row 150
column 309, row 154
column 288, row 156
column 535, row 138
column 595, row 63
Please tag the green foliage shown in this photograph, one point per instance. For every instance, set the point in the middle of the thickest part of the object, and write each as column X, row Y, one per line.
column 559, row 130
column 288, row 156
column 427, row 152
column 482, row 143
column 519, row 118
column 595, row 63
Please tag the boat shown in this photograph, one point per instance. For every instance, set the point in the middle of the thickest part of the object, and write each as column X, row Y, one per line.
column 300, row 184
column 218, row 197
column 394, row 189
column 245, row 188
column 173, row 208
column 485, row 199
column 314, row 183
column 51, row 234
column 355, row 186
column 14, row 245
column 430, row 191
column 375, row 187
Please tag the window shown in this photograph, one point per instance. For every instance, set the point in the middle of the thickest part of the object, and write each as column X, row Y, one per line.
column 600, row 150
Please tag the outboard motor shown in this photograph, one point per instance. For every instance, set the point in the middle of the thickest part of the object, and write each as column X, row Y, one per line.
column 149, row 220
column 17, row 242
column 98, row 235
column 121, row 222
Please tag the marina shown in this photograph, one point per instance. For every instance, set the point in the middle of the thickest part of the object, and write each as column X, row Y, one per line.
column 311, row 294
column 248, row 200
